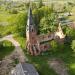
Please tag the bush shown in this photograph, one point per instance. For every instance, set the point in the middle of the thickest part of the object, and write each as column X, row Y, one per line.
column 44, row 20
column 70, row 32
column 21, row 40
column 54, row 45
column 6, row 43
column 6, row 48
column 14, row 11
column 73, row 45
column 20, row 24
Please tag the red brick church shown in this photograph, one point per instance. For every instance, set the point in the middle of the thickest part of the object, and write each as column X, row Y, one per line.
column 38, row 43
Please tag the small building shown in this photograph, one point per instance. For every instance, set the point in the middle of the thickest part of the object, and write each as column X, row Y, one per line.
column 24, row 69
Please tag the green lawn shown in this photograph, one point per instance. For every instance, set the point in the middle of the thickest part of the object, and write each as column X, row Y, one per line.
column 6, row 48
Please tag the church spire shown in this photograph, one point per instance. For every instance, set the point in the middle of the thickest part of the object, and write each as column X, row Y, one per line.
column 30, row 17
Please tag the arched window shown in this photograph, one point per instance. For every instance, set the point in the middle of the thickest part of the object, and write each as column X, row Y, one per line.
column 45, row 46
column 32, row 30
column 49, row 36
column 32, row 37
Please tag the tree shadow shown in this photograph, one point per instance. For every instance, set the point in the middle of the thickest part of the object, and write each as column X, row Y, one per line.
column 4, row 51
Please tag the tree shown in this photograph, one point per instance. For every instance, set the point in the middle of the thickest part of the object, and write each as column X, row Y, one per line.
column 44, row 25
column 48, row 24
column 54, row 45
column 1, row 45
column 64, row 8
column 40, row 3
column 45, row 19
column 20, row 24
column 73, row 45
column 68, row 8
column 13, row 11
column 39, row 13
column 70, row 32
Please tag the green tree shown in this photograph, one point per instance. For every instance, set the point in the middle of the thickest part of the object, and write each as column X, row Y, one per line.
column 54, row 45
column 1, row 45
column 45, row 19
column 39, row 13
column 68, row 8
column 73, row 45
column 70, row 32
column 40, row 3
column 13, row 11
column 48, row 24
column 20, row 24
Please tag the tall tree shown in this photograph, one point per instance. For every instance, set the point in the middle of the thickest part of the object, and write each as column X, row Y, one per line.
column 40, row 3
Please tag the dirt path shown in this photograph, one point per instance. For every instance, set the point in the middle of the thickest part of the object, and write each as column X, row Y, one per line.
column 58, row 66
column 7, row 63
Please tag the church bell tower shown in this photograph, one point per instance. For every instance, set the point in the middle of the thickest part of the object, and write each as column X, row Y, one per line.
column 31, row 35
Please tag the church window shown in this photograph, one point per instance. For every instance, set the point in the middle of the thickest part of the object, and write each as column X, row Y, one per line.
column 43, row 37
column 32, row 37
column 32, row 30
column 34, row 41
column 49, row 36
column 45, row 47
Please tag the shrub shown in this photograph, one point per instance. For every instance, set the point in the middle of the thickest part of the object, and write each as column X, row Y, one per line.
column 54, row 45
column 6, row 48
column 70, row 32
column 20, row 24
column 14, row 11
column 45, row 20
column 73, row 45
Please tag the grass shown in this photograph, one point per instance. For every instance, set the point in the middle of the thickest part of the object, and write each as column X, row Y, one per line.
column 73, row 16
column 41, row 64
column 7, row 23
column 4, row 16
column 6, row 48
